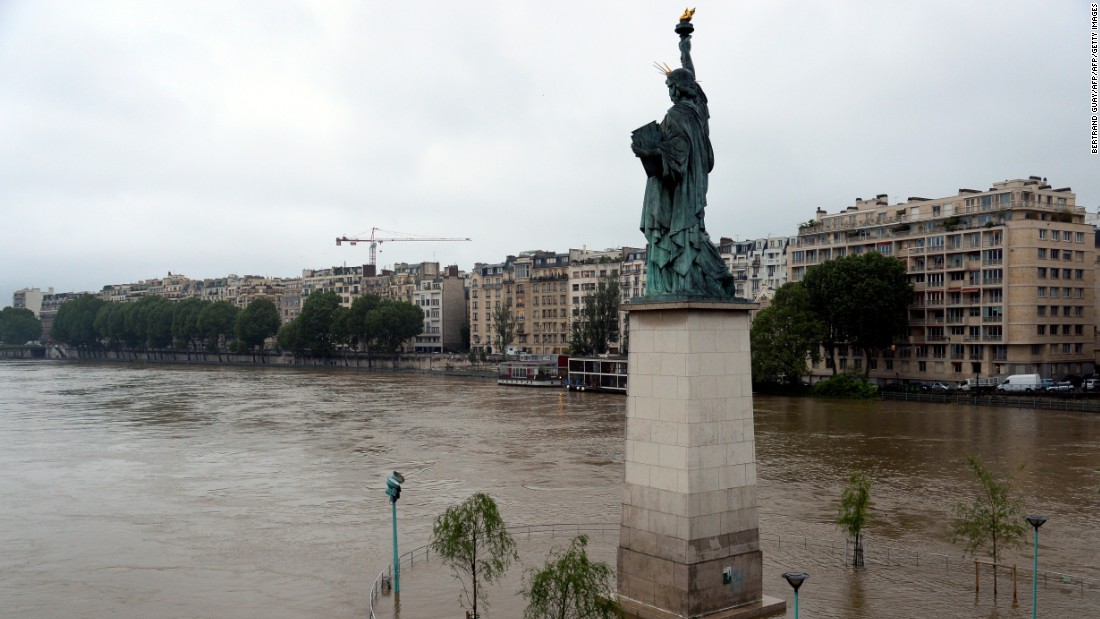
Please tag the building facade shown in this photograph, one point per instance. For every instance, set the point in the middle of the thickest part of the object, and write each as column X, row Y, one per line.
column 1004, row 280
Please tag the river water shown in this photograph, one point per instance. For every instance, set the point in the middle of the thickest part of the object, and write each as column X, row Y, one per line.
column 134, row 491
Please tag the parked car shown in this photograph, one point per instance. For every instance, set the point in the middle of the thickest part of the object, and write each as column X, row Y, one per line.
column 1091, row 384
column 1060, row 386
column 938, row 386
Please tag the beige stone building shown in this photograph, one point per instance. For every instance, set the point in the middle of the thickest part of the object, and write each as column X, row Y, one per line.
column 536, row 286
column 1004, row 279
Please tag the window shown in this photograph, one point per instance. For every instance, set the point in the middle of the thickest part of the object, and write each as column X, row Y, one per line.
column 1041, row 291
column 922, row 366
column 1042, row 253
column 1042, row 272
column 1040, row 329
column 1042, row 234
column 1080, row 237
column 1041, row 310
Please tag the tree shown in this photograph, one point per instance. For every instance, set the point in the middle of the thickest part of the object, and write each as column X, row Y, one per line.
column 75, row 322
column 358, row 330
column 19, row 325
column 156, row 318
column 394, row 322
column 596, row 322
column 216, row 321
column 315, row 322
column 185, row 322
column 862, row 300
column 570, row 586
column 257, row 322
column 504, row 327
column 993, row 521
column 290, row 337
column 784, row 335
column 472, row 539
column 854, row 504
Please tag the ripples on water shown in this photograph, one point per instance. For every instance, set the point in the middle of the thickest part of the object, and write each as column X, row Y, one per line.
column 133, row 491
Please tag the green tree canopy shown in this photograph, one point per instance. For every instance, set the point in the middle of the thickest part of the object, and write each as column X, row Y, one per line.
column 290, row 337
column 156, row 317
column 185, row 322
column 394, row 322
column 855, row 502
column 359, row 333
column 570, row 586
column 596, row 322
column 257, row 322
column 784, row 335
column 316, row 321
column 993, row 521
column 471, row 538
column 19, row 325
column 861, row 300
column 75, row 321
column 216, row 322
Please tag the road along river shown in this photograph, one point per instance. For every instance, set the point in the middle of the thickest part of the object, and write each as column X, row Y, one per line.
column 132, row 491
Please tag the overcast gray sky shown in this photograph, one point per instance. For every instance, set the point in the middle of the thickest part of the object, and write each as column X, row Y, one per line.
column 140, row 137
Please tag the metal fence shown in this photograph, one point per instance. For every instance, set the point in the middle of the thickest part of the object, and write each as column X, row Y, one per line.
column 1071, row 402
column 839, row 553
column 834, row 552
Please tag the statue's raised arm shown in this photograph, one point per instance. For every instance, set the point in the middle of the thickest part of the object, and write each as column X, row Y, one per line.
column 685, row 53
column 684, row 29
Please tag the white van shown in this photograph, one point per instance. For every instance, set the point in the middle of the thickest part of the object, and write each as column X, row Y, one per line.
column 1021, row 382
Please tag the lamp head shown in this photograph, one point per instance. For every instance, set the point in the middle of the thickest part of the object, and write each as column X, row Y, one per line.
column 795, row 579
column 1036, row 521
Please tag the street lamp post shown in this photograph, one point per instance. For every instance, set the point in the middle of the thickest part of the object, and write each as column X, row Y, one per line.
column 393, row 490
column 1035, row 521
column 795, row 579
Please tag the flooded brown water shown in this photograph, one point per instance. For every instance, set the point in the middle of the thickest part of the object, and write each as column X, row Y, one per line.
column 128, row 491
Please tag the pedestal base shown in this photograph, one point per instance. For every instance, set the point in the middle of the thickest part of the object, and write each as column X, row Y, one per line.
column 689, row 546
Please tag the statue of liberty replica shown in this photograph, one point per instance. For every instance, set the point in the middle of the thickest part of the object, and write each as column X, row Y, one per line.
column 677, row 156
column 689, row 541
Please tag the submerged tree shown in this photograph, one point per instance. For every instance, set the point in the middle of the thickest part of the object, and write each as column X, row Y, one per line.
column 993, row 521
column 570, row 586
column 854, row 504
column 472, row 539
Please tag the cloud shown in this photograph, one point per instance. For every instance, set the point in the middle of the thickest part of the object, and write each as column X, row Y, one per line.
column 211, row 138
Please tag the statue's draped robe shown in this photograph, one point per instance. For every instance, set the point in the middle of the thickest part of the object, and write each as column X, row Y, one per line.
column 682, row 261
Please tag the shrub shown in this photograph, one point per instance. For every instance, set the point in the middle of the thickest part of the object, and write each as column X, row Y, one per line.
column 846, row 386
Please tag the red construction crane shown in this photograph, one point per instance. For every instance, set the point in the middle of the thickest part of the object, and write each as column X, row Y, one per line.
column 375, row 240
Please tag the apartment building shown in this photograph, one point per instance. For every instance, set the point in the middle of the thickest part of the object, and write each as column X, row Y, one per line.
column 759, row 266
column 1004, row 279
column 587, row 269
column 30, row 298
column 443, row 300
column 489, row 286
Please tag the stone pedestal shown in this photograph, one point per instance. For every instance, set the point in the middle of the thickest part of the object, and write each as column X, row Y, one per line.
column 689, row 545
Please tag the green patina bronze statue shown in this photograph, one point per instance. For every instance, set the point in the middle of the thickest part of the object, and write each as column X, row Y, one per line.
column 682, row 261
